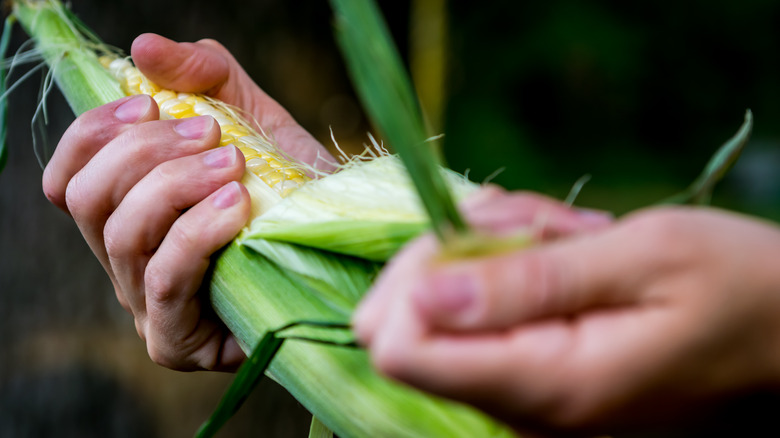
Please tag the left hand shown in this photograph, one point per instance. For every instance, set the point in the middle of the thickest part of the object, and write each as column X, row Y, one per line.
column 607, row 328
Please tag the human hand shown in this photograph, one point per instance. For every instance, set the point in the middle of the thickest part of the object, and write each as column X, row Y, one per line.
column 154, row 202
column 636, row 324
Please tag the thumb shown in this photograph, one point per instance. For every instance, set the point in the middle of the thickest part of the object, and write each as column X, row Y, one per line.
column 209, row 68
column 550, row 281
column 188, row 67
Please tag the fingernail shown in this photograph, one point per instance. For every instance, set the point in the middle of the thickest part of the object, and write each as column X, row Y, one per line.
column 221, row 157
column 228, row 196
column 194, row 127
column 132, row 109
column 449, row 293
column 596, row 218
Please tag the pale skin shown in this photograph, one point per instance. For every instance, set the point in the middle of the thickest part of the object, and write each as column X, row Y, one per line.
column 602, row 325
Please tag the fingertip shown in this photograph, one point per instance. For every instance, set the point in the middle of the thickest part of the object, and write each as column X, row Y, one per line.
column 136, row 108
column 232, row 194
column 149, row 46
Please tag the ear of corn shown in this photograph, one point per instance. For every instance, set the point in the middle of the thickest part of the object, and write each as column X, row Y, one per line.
column 269, row 176
column 260, row 283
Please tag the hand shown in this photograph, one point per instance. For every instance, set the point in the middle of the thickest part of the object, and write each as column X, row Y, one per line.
column 154, row 200
column 635, row 324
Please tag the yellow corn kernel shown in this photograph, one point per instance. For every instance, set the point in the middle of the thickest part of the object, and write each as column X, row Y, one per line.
column 272, row 178
column 258, row 166
column 149, row 88
column 249, row 153
column 132, row 85
column 235, row 131
column 181, row 110
column 226, row 139
column 163, row 96
column 262, row 160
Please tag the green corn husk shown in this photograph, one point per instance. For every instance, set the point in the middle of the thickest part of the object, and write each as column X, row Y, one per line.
column 62, row 41
column 368, row 210
column 286, row 267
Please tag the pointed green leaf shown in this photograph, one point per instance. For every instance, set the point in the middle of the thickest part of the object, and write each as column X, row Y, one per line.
column 319, row 430
column 700, row 191
column 249, row 375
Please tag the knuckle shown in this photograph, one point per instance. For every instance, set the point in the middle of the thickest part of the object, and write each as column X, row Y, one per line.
column 160, row 355
column 158, row 287
column 116, row 246
column 165, row 175
column 186, row 235
column 78, row 200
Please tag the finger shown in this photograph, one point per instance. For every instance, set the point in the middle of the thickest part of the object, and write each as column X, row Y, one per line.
column 482, row 369
column 177, row 333
column 557, row 279
column 188, row 67
column 207, row 67
column 97, row 189
column 86, row 136
column 548, row 374
column 137, row 227
column 499, row 212
column 373, row 309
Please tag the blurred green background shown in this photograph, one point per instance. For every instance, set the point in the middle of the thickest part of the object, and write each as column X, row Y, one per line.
column 636, row 94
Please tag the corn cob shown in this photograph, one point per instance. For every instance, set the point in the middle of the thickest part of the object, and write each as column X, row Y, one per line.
column 260, row 284
column 262, row 158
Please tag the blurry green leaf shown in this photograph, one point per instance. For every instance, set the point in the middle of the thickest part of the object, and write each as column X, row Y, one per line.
column 252, row 371
column 390, row 101
column 5, row 39
column 319, row 430
column 700, row 191
column 248, row 376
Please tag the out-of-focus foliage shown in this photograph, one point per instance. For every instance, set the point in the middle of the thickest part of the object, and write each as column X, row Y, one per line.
column 637, row 94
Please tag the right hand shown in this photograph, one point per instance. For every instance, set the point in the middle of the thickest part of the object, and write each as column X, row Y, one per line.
column 154, row 199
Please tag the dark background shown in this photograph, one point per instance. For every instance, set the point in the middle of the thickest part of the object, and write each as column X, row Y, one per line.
column 636, row 94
